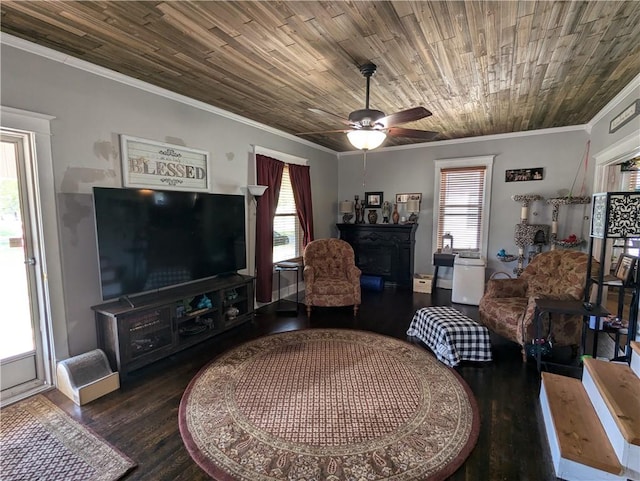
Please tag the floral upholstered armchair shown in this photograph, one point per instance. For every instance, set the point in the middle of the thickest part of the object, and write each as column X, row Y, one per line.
column 507, row 307
column 331, row 277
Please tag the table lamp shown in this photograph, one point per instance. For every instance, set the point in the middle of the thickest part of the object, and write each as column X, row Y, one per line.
column 413, row 206
column 346, row 209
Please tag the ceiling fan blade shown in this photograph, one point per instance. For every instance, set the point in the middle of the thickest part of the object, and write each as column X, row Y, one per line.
column 404, row 116
column 325, row 132
column 412, row 133
column 333, row 116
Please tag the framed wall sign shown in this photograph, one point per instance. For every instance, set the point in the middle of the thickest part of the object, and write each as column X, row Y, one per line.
column 631, row 112
column 520, row 175
column 403, row 198
column 150, row 164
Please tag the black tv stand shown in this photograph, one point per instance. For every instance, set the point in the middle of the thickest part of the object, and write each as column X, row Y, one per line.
column 227, row 275
column 162, row 323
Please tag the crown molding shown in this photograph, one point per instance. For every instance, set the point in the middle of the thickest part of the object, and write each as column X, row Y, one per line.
column 50, row 54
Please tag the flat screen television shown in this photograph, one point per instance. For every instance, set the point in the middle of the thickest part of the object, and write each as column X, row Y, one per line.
column 152, row 239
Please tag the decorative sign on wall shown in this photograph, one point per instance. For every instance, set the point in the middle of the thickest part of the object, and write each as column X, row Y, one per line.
column 519, row 175
column 403, row 198
column 625, row 116
column 150, row 164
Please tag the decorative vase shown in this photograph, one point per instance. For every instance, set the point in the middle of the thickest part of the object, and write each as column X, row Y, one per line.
column 373, row 216
column 395, row 216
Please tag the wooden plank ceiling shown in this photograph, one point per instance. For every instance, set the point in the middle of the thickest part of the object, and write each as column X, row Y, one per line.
column 481, row 67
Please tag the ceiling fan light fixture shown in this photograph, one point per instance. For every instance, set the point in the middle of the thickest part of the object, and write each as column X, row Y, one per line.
column 366, row 139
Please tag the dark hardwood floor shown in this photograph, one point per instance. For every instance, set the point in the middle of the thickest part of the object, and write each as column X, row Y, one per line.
column 141, row 419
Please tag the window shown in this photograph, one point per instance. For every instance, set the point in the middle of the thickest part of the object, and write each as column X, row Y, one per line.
column 462, row 196
column 287, row 232
column 633, row 182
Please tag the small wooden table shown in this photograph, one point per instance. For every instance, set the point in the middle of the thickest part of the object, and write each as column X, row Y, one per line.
column 555, row 306
column 444, row 260
column 287, row 266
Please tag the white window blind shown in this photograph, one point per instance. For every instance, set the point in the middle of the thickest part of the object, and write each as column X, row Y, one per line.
column 634, row 181
column 461, row 206
column 633, row 185
column 287, row 233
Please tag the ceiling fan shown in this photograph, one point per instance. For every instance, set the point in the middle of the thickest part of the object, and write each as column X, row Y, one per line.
column 368, row 128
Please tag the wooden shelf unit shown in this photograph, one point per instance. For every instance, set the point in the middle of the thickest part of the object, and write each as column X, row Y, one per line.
column 154, row 326
column 610, row 215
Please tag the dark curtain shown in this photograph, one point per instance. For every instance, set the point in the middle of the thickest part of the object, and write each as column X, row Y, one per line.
column 301, row 185
column 269, row 173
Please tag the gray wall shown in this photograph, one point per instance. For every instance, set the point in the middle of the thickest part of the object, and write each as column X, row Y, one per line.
column 90, row 112
column 412, row 170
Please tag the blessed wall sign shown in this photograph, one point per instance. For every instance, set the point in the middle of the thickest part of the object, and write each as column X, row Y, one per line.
column 150, row 164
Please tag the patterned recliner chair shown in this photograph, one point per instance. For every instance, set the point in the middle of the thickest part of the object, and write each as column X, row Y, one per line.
column 331, row 277
column 508, row 305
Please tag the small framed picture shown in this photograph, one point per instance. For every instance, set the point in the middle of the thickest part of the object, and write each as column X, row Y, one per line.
column 624, row 268
column 373, row 199
column 631, row 112
column 403, row 198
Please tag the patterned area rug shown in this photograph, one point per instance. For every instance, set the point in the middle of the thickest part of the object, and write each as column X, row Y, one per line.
column 328, row 404
column 40, row 441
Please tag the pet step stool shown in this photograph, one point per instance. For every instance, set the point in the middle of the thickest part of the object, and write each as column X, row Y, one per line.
column 614, row 391
column 579, row 445
column 86, row 377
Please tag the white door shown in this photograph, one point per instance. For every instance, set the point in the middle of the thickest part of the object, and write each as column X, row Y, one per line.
column 21, row 290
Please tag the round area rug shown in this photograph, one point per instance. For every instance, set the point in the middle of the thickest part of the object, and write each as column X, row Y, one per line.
column 328, row 404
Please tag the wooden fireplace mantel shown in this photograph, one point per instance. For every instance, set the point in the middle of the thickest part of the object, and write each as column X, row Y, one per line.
column 385, row 250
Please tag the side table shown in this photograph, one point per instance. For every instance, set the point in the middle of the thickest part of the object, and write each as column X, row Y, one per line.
column 444, row 260
column 287, row 266
column 554, row 306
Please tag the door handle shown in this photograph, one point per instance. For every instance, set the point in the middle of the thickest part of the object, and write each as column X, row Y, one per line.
column 31, row 261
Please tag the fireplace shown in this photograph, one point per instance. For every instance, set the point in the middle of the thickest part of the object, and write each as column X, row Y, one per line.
column 385, row 250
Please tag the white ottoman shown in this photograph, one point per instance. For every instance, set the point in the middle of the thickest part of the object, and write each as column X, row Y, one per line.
column 452, row 336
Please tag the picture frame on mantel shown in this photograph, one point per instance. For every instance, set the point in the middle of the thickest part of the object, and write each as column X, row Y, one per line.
column 147, row 164
column 373, row 200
